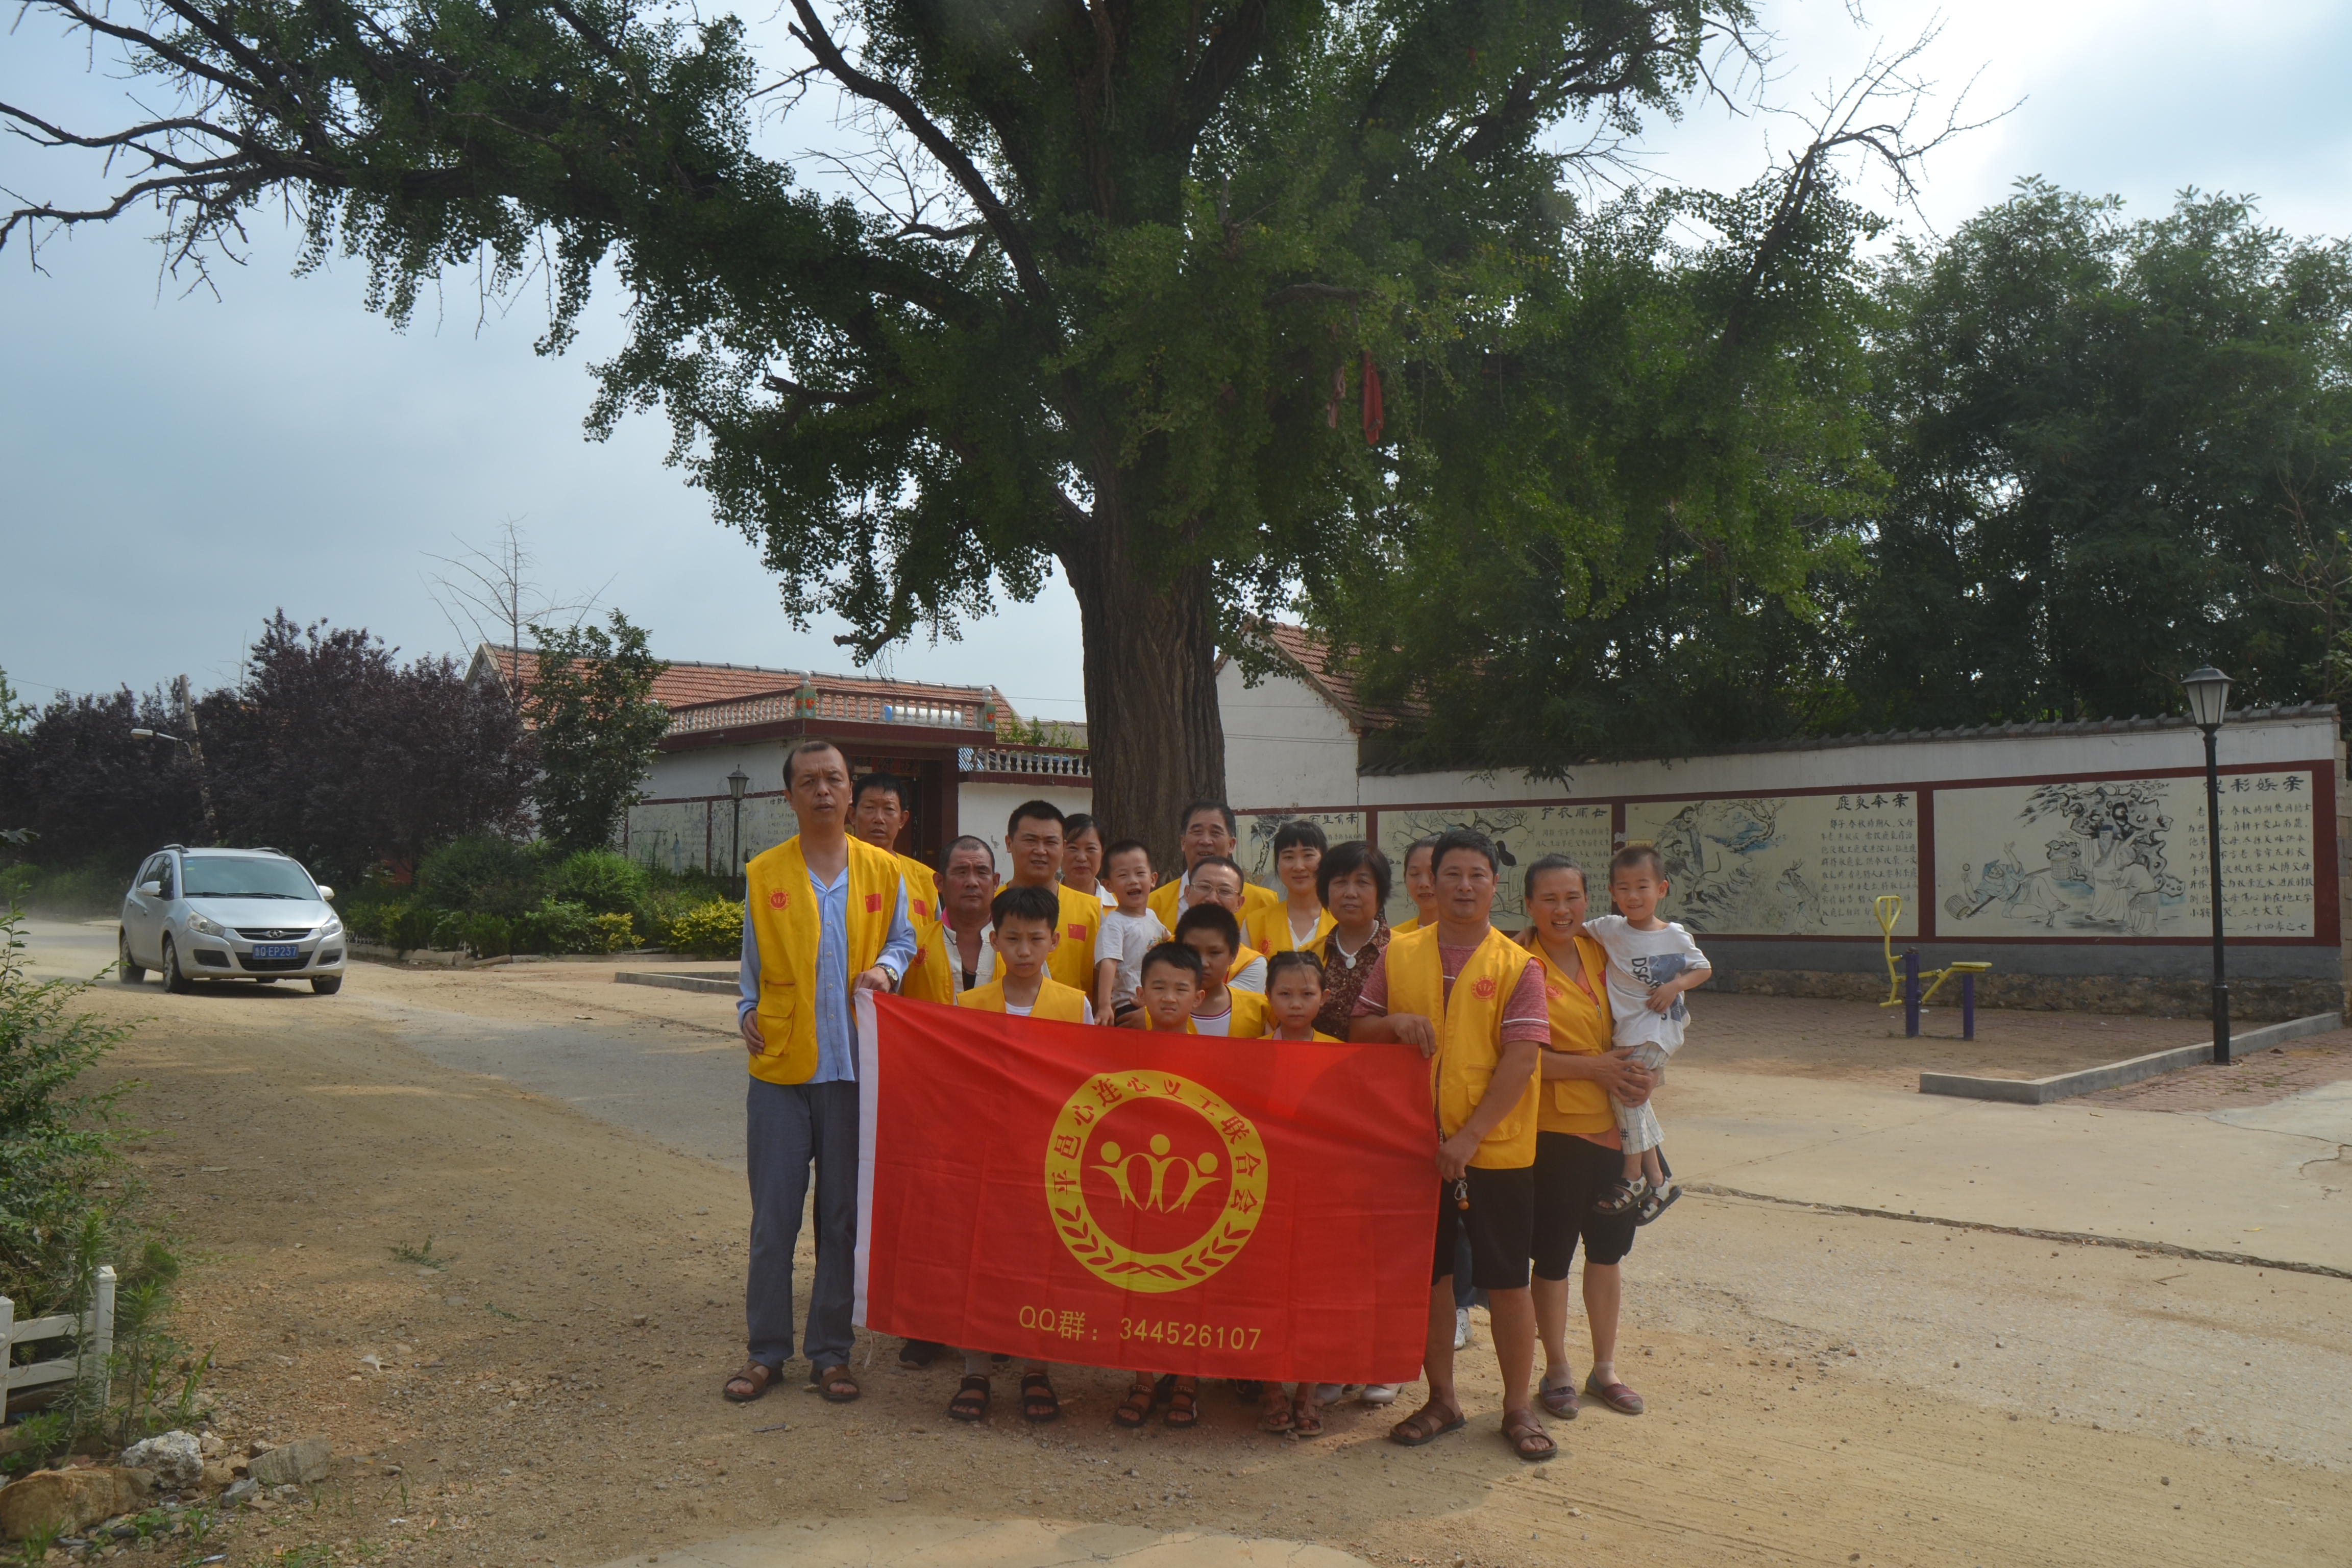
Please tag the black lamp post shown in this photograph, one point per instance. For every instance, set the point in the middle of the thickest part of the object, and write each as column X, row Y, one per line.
column 2209, row 705
column 736, row 782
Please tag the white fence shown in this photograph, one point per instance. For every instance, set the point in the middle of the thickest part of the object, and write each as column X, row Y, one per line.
column 92, row 1332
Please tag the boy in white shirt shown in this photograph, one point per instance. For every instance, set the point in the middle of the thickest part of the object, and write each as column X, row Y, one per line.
column 1651, row 964
column 1127, row 933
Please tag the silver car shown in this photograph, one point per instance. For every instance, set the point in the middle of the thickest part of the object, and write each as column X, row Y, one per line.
column 229, row 914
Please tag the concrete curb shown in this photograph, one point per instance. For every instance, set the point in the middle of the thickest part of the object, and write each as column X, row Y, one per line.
column 718, row 983
column 2132, row 1070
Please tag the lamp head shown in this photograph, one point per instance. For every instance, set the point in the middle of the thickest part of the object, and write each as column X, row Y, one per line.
column 738, row 781
column 2209, row 695
column 142, row 734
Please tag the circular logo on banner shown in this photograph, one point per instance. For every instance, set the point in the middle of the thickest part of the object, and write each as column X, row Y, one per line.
column 1163, row 1163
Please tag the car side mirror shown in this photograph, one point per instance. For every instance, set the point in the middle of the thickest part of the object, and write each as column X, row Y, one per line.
column 151, row 890
column 325, row 893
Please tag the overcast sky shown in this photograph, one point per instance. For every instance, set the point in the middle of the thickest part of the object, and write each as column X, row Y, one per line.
column 172, row 468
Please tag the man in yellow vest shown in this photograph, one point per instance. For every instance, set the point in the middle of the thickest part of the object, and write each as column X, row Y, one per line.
column 1472, row 1001
column 1208, row 833
column 825, row 914
column 1034, row 837
column 879, row 815
column 968, row 884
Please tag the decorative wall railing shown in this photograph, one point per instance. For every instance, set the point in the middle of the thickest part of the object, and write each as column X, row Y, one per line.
column 821, row 704
column 1032, row 762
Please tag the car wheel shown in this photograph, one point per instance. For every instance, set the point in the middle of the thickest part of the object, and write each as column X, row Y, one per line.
column 327, row 984
column 174, row 980
column 127, row 972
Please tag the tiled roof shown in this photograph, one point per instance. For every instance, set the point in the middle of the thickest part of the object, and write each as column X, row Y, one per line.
column 687, row 685
column 1311, row 659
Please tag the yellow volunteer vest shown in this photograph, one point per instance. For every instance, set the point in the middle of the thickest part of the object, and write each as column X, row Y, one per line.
column 1268, row 930
column 1249, row 955
column 1149, row 1025
column 1251, row 1018
column 1317, row 1036
column 1072, row 962
column 1579, row 1026
column 931, row 977
column 784, row 922
column 1469, row 1035
column 1162, row 901
column 1410, row 926
column 1055, row 1002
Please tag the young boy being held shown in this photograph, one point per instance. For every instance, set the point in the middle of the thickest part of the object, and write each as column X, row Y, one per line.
column 1211, row 931
column 1027, row 919
column 1129, row 933
column 1651, row 964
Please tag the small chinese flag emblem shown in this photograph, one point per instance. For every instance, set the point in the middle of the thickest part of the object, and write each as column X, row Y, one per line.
column 1484, row 988
column 779, row 899
column 1078, row 932
column 922, row 910
column 873, row 903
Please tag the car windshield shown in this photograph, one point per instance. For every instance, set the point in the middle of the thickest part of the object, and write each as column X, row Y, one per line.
column 237, row 876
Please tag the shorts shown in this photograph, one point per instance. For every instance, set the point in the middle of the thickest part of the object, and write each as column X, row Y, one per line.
column 1571, row 1175
column 1500, row 1221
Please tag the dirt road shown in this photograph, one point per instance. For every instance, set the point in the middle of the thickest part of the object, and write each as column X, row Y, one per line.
column 1822, row 1388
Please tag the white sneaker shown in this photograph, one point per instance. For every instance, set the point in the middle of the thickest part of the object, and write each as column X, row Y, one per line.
column 1463, row 1336
column 1330, row 1393
column 1379, row 1394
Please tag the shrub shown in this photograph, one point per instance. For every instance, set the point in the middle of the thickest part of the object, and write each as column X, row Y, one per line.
column 72, row 890
column 449, row 930
column 557, row 926
column 485, row 874
column 712, row 929
column 606, row 882
column 613, row 933
column 409, row 925
column 489, row 936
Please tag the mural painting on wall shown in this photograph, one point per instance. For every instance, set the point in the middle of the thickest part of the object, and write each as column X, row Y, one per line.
column 2125, row 858
column 1254, row 834
column 1522, row 835
column 1802, row 865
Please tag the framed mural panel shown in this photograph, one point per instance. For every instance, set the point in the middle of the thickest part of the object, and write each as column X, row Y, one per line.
column 1522, row 835
column 1254, row 834
column 1796, row 865
column 2095, row 860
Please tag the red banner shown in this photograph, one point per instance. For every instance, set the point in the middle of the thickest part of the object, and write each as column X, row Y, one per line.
column 1172, row 1202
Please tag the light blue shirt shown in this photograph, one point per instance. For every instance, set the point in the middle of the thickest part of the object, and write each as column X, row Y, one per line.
column 837, row 1038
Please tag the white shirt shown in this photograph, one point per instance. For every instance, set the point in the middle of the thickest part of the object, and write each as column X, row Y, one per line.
column 1639, row 962
column 1126, row 939
column 987, row 970
column 1250, row 977
column 1023, row 1012
column 1221, row 1023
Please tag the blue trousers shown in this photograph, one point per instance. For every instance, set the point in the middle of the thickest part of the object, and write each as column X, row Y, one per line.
column 789, row 1130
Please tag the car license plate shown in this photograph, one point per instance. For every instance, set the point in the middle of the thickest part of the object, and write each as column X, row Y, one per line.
column 276, row 950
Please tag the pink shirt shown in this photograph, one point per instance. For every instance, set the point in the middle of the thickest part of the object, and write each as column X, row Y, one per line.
column 1526, row 1015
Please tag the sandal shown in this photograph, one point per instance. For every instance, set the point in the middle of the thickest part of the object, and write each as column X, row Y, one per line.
column 1527, row 1437
column 1039, row 1402
column 1621, row 1195
column 1660, row 1200
column 838, row 1385
column 1425, row 1426
column 1615, row 1395
column 1306, row 1413
column 1274, row 1411
column 1136, row 1408
column 917, row 1355
column 1558, row 1398
column 1183, row 1404
column 753, row 1380
column 971, row 1403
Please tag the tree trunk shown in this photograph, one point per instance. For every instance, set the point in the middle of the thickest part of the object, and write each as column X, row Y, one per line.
column 1154, row 737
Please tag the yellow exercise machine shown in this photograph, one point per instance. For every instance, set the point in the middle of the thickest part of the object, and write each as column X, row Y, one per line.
column 1903, row 975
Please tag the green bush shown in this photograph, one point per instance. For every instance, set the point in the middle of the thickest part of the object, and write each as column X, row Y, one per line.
column 608, row 883
column 484, row 874
column 614, row 933
column 489, row 936
column 557, row 926
column 68, row 890
column 711, row 930
column 410, row 925
column 449, row 930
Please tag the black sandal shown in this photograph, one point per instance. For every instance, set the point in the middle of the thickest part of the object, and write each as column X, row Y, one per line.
column 1183, row 1407
column 1039, row 1402
column 971, row 1403
column 1136, row 1408
column 1622, row 1195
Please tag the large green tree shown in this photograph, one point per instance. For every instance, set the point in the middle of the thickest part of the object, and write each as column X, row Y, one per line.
column 1111, row 295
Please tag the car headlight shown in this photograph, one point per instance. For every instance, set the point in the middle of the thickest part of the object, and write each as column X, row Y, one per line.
column 333, row 928
column 203, row 927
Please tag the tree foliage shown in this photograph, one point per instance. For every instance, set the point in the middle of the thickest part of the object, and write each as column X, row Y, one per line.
column 591, row 711
column 90, row 793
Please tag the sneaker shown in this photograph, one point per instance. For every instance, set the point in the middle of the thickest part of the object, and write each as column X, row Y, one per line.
column 1379, row 1394
column 1622, row 1195
column 1464, row 1337
column 1658, row 1202
column 1330, row 1393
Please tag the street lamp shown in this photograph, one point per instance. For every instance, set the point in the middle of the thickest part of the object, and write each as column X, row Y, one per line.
column 2208, row 706
column 203, row 785
column 736, row 784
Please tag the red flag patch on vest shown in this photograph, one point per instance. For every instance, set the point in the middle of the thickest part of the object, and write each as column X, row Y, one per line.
column 873, row 903
column 1125, row 1199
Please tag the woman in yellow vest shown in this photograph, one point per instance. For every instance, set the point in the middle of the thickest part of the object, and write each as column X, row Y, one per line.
column 1472, row 1001
column 1577, row 1147
column 1300, row 920
column 1419, row 885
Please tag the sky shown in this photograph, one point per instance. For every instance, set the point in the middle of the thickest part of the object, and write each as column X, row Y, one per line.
column 174, row 466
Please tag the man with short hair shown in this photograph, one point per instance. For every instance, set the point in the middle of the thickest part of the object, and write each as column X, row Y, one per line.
column 1033, row 836
column 1472, row 1001
column 880, row 815
column 968, row 883
column 825, row 914
column 1208, row 833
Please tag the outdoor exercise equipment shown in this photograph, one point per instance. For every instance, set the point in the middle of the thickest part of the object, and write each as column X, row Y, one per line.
column 1903, row 976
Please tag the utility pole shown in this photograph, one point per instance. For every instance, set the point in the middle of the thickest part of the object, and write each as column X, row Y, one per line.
column 196, row 754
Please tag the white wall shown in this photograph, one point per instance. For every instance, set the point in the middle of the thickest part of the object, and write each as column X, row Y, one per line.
column 703, row 770
column 1284, row 746
column 982, row 809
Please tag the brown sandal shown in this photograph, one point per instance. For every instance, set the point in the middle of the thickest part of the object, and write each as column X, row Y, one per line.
column 1183, row 1404
column 971, row 1403
column 837, row 1385
column 1306, row 1413
column 754, row 1379
column 1425, row 1426
column 1274, row 1410
column 1136, row 1408
column 1520, row 1429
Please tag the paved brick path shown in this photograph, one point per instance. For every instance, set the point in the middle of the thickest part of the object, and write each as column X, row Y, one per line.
column 2260, row 1080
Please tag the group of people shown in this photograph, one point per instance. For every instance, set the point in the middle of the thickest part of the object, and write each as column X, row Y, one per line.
column 1544, row 1049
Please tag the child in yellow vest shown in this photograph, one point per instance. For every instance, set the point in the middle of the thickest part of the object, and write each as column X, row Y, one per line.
column 1211, row 931
column 1026, row 927
column 1166, row 992
column 1294, row 994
